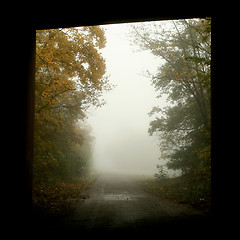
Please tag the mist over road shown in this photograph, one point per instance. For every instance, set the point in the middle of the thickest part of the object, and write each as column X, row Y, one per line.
column 117, row 204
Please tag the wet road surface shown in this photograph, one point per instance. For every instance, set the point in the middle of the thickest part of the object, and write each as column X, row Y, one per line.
column 118, row 205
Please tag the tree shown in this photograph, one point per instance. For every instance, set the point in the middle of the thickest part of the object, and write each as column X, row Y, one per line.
column 184, row 126
column 70, row 77
column 69, row 67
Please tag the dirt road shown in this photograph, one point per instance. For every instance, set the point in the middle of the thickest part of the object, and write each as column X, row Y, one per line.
column 117, row 204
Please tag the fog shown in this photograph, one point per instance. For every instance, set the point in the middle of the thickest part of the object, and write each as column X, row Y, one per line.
column 120, row 128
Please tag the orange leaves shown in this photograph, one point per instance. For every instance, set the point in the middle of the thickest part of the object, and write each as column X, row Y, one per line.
column 55, row 196
column 47, row 93
column 69, row 78
column 61, row 57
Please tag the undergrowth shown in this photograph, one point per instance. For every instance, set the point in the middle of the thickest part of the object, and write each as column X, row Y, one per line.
column 60, row 197
column 185, row 189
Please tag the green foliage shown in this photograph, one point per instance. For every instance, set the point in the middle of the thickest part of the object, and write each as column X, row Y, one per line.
column 162, row 173
column 184, row 126
column 193, row 190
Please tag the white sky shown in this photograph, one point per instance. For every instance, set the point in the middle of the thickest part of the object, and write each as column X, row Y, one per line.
column 121, row 126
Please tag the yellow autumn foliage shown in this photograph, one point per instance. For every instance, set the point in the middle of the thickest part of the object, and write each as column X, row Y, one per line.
column 70, row 77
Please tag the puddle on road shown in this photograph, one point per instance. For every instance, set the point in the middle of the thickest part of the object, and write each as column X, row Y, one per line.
column 120, row 197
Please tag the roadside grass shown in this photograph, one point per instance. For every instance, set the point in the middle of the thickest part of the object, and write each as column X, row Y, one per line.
column 185, row 189
column 60, row 197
